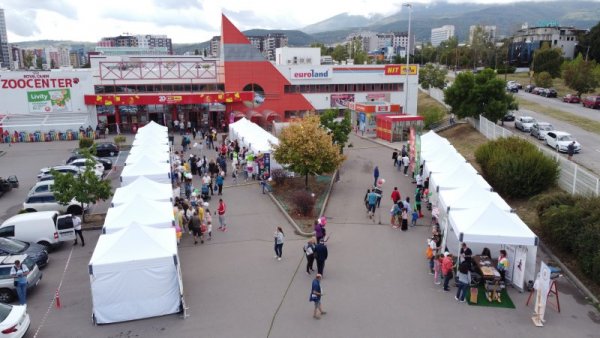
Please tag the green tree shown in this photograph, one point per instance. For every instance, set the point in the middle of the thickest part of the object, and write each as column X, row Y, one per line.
column 548, row 60
column 482, row 93
column 307, row 149
column 338, row 129
column 432, row 76
column 589, row 44
column 544, row 80
column 324, row 50
column 85, row 188
column 581, row 76
column 28, row 59
column 340, row 53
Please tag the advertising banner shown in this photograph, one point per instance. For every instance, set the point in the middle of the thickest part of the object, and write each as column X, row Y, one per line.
column 510, row 255
column 400, row 70
column 541, row 286
column 518, row 276
column 341, row 100
column 49, row 101
column 378, row 97
column 310, row 73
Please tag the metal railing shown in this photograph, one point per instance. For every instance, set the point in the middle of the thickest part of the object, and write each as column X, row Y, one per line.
column 573, row 178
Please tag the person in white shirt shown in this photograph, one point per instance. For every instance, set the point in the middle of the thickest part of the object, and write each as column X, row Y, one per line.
column 78, row 232
column 405, row 163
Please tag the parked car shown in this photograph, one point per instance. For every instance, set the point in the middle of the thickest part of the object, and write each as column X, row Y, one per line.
column 61, row 169
column 80, row 162
column 46, row 177
column 539, row 130
column 5, row 186
column 107, row 163
column 7, row 288
column 560, row 140
column 514, row 83
column 591, row 102
column 529, row 88
column 549, row 92
column 14, row 320
column 106, row 149
column 571, row 98
column 10, row 246
column 46, row 228
column 46, row 201
column 41, row 186
column 537, row 90
column 510, row 116
column 524, row 123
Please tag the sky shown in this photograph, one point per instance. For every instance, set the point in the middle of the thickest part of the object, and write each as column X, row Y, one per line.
column 184, row 21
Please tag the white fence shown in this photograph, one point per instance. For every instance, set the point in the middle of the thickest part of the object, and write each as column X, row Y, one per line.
column 573, row 178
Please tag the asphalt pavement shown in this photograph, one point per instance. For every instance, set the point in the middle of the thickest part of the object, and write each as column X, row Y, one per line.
column 376, row 281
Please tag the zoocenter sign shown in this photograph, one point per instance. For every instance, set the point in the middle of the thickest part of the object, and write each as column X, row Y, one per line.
column 45, row 91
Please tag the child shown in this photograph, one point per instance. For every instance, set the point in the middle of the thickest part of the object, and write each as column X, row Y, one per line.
column 415, row 216
column 437, row 268
column 208, row 219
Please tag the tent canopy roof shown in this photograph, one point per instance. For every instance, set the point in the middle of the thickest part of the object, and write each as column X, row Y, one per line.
column 139, row 210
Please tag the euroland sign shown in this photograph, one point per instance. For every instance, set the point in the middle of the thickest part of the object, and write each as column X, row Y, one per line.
column 310, row 73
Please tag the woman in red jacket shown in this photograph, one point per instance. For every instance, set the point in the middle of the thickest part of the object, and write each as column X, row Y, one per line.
column 447, row 266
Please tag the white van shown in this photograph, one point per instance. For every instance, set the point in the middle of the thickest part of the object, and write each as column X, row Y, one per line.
column 47, row 228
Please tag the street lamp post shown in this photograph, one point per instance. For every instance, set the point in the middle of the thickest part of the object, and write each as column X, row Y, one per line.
column 405, row 110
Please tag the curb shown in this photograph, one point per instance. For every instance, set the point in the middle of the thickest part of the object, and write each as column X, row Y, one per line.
column 582, row 288
column 326, row 200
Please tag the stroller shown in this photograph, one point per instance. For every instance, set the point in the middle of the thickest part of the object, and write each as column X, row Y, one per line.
column 204, row 192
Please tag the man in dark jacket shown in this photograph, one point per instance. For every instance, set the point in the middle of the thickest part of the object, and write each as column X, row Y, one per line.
column 321, row 256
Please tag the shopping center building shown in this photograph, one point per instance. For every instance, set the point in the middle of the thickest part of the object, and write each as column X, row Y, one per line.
column 129, row 91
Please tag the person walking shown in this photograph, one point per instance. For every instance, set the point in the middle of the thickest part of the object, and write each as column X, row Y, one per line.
column 447, row 266
column 464, row 280
column 319, row 231
column 316, row 292
column 570, row 150
column 195, row 227
column 220, row 180
column 321, row 256
column 279, row 236
column 405, row 163
column 372, row 200
column 375, row 175
column 78, row 232
column 221, row 212
column 395, row 157
column 396, row 195
column 309, row 251
column 19, row 272
column 404, row 216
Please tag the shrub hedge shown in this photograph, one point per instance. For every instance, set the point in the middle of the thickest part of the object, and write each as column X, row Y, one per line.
column 86, row 142
column 304, row 202
column 515, row 167
column 572, row 223
column 432, row 116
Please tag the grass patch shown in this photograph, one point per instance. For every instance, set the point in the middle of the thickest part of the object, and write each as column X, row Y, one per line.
column 558, row 83
column 426, row 102
column 581, row 122
column 465, row 139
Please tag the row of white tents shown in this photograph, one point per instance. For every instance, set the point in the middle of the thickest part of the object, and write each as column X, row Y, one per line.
column 470, row 209
column 254, row 138
column 135, row 268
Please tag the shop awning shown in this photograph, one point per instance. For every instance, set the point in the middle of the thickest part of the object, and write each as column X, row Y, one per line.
column 171, row 98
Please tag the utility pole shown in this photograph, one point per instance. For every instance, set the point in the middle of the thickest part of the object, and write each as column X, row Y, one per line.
column 405, row 110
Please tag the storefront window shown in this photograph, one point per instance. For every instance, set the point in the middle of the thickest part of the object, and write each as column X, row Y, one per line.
column 259, row 95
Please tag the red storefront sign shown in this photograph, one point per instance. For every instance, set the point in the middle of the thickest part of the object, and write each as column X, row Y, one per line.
column 145, row 99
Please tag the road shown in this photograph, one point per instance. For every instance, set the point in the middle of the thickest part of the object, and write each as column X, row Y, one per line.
column 557, row 103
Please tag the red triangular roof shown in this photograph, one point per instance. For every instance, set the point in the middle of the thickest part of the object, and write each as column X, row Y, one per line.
column 230, row 33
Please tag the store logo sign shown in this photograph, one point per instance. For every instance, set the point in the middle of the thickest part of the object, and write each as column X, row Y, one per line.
column 310, row 73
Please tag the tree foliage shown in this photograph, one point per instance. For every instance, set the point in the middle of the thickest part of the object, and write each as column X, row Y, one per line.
column 548, row 60
column 581, row 76
column 544, row 80
column 432, row 116
column 85, row 188
column 340, row 53
column 589, row 44
column 483, row 93
column 307, row 149
column 515, row 167
column 339, row 130
column 432, row 76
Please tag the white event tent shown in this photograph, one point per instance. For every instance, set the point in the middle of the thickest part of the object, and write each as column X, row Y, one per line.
column 156, row 171
column 135, row 274
column 164, row 148
column 151, row 156
column 150, row 141
column 255, row 138
column 145, row 187
column 152, row 128
column 468, row 207
column 140, row 210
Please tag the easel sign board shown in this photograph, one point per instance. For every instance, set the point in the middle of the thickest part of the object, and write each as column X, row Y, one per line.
column 542, row 286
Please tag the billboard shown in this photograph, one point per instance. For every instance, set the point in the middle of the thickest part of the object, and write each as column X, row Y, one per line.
column 49, row 101
column 310, row 73
column 341, row 100
column 400, row 70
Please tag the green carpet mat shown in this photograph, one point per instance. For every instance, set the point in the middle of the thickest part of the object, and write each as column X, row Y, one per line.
column 483, row 301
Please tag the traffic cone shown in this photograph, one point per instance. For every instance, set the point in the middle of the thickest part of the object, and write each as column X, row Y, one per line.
column 57, row 299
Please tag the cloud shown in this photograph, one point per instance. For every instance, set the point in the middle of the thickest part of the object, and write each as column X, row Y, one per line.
column 174, row 4
column 191, row 19
column 17, row 24
column 247, row 19
column 62, row 7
